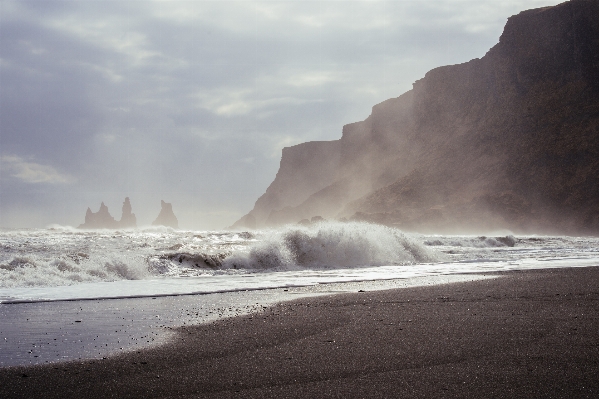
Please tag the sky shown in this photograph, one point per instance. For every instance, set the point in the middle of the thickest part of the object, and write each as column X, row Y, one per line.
column 192, row 102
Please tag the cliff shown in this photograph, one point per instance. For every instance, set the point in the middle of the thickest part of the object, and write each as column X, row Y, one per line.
column 510, row 140
column 305, row 168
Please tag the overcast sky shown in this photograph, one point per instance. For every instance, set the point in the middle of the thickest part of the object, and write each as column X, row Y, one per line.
column 192, row 102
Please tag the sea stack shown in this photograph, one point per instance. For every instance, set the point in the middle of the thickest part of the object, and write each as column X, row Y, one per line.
column 104, row 220
column 166, row 217
column 128, row 218
column 99, row 220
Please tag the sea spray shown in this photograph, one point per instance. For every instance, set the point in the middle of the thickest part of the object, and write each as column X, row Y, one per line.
column 63, row 256
column 473, row 242
column 36, row 271
column 331, row 245
column 129, row 260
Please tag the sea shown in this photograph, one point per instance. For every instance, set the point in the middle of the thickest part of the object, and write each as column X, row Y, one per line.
column 60, row 263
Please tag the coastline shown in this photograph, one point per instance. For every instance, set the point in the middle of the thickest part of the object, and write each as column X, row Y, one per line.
column 55, row 331
column 527, row 334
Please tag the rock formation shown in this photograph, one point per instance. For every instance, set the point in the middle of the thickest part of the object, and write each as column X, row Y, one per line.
column 99, row 220
column 510, row 140
column 128, row 218
column 103, row 220
column 166, row 217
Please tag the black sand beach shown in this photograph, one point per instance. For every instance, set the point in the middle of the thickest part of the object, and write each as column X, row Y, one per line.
column 525, row 334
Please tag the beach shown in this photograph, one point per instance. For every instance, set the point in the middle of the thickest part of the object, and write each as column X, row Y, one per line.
column 522, row 334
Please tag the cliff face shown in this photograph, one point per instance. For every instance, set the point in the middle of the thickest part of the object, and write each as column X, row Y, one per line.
column 510, row 140
column 305, row 168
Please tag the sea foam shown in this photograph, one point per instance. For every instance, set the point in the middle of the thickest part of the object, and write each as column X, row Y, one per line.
column 34, row 270
column 62, row 256
column 334, row 251
column 331, row 245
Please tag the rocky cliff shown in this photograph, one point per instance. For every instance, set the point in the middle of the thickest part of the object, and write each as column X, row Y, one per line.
column 510, row 140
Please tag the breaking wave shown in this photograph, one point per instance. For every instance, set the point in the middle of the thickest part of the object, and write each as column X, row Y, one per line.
column 474, row 242
column 331, row 245
column 63, row 256
column 32, row 270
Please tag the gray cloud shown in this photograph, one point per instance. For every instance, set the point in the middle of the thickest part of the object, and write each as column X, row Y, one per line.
column 31, row 172
column 192, row 101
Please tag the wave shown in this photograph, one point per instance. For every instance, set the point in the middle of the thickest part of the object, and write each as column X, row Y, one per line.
column 60, row 255
column 66, row 258
column 474, row 242
column 33, row 270
column 331, row 245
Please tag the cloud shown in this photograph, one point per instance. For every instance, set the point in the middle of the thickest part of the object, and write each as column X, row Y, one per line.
column 225, row 102
column 32, row 172
column 237, row 102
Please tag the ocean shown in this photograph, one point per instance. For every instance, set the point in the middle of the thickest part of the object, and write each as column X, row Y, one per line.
column 69, row 294
column 63, row 263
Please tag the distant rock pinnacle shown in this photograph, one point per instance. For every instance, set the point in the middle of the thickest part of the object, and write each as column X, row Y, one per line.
column 103, row 220
column 128, row 218
column 166, row 217
column 99, row 220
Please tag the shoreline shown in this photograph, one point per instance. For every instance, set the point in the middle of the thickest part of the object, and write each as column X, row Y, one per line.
column 311, row 287
column 50, row 332
column 528, row 334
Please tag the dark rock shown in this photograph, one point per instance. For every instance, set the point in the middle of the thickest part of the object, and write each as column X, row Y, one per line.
column 305, row 169
column 103, row 220
column 246, row 222
column 99, row 220
column 510, row 140
column 128, row 218
column 166, row 217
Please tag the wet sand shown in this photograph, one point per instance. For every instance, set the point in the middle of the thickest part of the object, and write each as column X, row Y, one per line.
column 525, row 334
column 57, row 331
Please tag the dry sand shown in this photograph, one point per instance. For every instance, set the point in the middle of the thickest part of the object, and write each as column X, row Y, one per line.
column 526, row 334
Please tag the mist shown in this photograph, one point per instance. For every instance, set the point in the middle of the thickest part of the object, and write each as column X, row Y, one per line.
column 192, row 102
